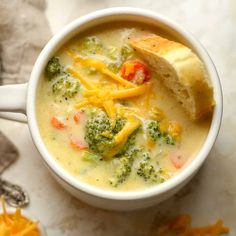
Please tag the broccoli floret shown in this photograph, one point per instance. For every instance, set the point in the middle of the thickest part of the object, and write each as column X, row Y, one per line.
column 113, row 53
column 126, row 52
column 145, row 168
column 53, row 68
column 124, row 166
column 90, row 111
column 114, row 66
column 90, row 157
column 115, row 56
column 168, row 139
column 129, row 144
column 91, row 45
column 120, row 122
column 123, row 170
column 153, row 130
column 118, row 57
column 147, row 171
column 97, row 125
column 100, row 133
column 66, row 87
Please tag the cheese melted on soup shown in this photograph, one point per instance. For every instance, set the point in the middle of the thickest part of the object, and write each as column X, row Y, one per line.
column 107, row 120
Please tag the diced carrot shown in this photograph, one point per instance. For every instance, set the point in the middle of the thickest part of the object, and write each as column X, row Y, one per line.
column 177, row 160
column 135, row 71
column 77, row 116
column 58, row 122
column 76, row 143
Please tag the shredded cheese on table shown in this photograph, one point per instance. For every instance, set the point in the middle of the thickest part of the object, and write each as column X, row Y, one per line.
column 181, row 226
column 16, row 224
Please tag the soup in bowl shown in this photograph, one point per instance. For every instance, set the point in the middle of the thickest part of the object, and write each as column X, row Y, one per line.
column 124, row 106
column 106, row 117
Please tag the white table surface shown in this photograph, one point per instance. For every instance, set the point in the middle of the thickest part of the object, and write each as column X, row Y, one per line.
column 211, row 195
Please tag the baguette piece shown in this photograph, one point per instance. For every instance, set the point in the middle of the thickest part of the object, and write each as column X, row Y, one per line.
column 180, row 70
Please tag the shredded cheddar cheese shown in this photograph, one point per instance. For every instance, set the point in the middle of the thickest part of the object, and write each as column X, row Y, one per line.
column 130, row 126
column 164, row 126
column 91, row 92
column 97, row 64
column 82, row 104
column 148, row 93
column 126, row 111
column 181, row 226
column 150, row 143
column 128, row 93
column 16, row 224
column 105, row 96
column 86, row 82
column 175, row 129
column 157, row 114
column 100, row 66
column 118, row 78
column 110, row 109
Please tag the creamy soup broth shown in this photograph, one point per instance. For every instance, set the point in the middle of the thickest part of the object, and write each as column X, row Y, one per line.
column 177, row 143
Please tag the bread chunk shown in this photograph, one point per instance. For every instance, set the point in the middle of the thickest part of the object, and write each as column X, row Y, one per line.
column 180, row 70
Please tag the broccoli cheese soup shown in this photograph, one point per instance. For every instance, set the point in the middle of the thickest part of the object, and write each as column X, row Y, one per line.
column 107, row 119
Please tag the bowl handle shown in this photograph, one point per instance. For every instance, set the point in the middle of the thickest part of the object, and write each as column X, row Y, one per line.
column 13, row 102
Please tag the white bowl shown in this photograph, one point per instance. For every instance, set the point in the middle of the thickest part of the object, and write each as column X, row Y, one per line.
column 15, row 99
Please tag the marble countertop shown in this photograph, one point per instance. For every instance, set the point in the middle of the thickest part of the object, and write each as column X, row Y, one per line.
column 209, row 196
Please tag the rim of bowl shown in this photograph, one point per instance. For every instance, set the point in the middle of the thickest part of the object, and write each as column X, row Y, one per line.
column 65, row 33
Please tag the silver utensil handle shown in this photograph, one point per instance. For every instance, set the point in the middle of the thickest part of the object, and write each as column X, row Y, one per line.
column 14, row 194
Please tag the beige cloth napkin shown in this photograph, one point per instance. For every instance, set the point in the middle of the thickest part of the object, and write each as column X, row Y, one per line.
column 24, row 30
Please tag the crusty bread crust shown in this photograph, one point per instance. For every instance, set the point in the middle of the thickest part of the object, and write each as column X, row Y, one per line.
column 180, row 70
